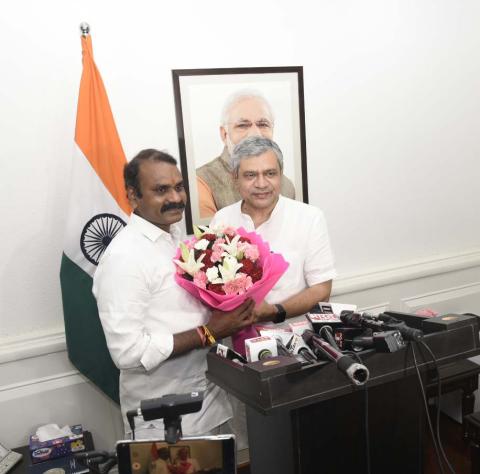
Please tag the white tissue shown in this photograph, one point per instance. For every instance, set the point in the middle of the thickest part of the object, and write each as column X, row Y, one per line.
column 52, row 431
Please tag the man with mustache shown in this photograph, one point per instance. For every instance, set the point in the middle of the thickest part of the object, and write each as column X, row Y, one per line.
column 157, row 333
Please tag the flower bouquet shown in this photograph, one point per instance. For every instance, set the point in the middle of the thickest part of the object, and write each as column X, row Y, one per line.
column 223, row 266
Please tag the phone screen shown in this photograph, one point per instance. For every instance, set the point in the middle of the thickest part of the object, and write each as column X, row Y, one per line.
column 211, row 454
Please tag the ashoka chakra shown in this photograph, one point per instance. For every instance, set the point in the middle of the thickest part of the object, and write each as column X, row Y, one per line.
column 97, row 235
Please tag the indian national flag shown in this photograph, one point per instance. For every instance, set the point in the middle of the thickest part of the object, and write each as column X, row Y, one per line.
column 97, row 211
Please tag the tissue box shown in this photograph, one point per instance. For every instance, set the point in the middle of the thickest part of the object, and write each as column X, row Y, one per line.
column 56, row 448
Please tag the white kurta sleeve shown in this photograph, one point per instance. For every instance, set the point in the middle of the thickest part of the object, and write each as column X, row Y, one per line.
column 121, row 287
column 319, row 263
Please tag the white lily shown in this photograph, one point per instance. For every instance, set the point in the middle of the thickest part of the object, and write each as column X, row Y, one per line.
column 197, row 232
column 189, row 265
column 229, row 268
column 231, row 248
column 200, row 230
column 201, row 244
column 217, row 229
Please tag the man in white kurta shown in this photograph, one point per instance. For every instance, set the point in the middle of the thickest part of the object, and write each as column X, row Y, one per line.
column 152, row 326
column 297, row 231
column 294, row 229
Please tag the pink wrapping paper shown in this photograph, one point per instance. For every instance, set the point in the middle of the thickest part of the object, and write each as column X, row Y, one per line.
column 273, row 266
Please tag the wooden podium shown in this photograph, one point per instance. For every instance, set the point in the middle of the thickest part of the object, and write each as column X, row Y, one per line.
column 310, row 420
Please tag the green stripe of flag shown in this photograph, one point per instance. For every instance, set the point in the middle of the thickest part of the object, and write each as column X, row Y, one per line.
column 87, row 348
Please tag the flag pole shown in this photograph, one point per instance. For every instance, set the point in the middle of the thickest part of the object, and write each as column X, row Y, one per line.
column 84, row 28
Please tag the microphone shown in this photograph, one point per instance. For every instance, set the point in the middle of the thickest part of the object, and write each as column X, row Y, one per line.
column 408, row 333
column 326, row 333
column 281, row 349
column 366, row 320
column 357, row 339
column 386, row 341
column 357, row 373
column 296, row 346
column 319, row 320
column 227, row 353
column 344, row 337
column 259, row 348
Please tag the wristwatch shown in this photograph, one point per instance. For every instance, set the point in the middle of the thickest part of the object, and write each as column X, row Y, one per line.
column 281, row 314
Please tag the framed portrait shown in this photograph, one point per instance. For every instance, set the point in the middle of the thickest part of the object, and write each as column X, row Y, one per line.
column 206, row 101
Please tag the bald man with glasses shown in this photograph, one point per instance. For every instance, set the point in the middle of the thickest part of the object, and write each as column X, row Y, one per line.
column 245, row 114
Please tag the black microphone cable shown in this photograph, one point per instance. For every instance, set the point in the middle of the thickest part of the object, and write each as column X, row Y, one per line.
column 366, row 416
column 93, row 459
column 131, row 414
column 439, row 398
column 425, row 404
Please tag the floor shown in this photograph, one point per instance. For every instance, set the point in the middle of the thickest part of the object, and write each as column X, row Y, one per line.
column 456, row 449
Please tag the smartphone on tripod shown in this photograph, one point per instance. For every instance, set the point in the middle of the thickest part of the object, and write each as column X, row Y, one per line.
column 212, row 454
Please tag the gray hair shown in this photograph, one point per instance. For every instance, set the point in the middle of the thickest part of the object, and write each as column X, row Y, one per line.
column 238, row 96
column 254, row 146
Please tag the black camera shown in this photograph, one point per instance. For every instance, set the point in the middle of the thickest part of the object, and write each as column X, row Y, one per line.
column 170, row 408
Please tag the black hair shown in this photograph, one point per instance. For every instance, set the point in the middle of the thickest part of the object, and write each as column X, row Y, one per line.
column 131, row 169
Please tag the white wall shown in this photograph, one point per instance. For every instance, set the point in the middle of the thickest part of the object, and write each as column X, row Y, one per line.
column 392, row 99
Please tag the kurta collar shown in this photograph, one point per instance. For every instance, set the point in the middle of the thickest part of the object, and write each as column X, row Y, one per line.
column 151, row 231
column 277, row 209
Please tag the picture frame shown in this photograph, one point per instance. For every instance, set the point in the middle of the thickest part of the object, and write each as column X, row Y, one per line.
column 200, row 96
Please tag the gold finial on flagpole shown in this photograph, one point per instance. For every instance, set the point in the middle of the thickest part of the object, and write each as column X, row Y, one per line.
column 84, row 28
